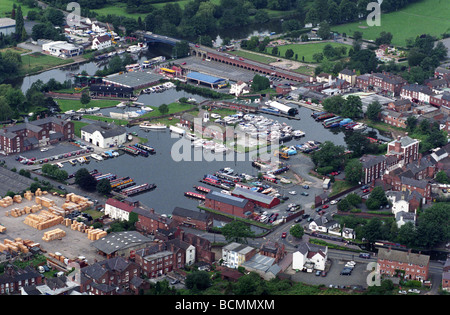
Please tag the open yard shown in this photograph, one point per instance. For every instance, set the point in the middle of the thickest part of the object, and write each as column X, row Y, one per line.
column 424, row 17
column 66, row 104
column 37, row 62
column 306, row 50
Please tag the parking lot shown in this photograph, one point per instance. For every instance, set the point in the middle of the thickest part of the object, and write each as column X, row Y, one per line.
column 72, row 245
column 333, row 277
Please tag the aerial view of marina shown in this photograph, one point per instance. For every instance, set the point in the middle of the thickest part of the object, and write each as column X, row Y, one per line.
column 224, row 148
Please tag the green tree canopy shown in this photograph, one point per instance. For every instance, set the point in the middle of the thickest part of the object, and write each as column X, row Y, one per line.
column 237, row 231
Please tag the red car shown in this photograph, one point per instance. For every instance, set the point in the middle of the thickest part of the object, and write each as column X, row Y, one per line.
column 325, row 206
column 283, row 235
column 365, row 191
column 183, row 63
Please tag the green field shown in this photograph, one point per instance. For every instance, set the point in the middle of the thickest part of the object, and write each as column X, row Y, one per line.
column 173, row 108
column 66, row 105
column 7, row 5
column 306, row 50
column 425, row 17
column 37, row 62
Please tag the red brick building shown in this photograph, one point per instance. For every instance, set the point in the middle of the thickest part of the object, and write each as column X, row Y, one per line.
column 194, row 219
column 405, row 148
column 256, row 198
column 14, row 278
column 149, row 221
column 384, row 83
column 228, row 204
column 373, row 167
column 109, row 277
column 31, row 135
column 157, row 260
column 408, row 265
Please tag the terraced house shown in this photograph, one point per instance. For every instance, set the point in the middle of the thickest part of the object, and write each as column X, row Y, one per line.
column 408, row 265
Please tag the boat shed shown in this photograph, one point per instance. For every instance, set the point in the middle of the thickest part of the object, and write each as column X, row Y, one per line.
column 202, row 78
column 135, row 79
column 228, row 204
column 98, row 91
column 257, row 198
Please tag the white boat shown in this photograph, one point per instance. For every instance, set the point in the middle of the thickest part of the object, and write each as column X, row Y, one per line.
column 133, row 67
column 81, row 110
column 293, row 192
column 150, row 126
column 298, row 133
column 209, row 145
column 70, row 112
column 177, row 130
column 92, row 109
column 121, row 105
column 198, row 143
column 96, row 157
column 359, row 127
column 190, row 136
column 147, row 109
column 220, row 148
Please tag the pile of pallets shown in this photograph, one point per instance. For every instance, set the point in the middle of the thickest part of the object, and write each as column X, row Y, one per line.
column 16, row 246
column 16, row 212
column 53, row 235
column 96, row 234
column 45, row 202
column 75, row 202
column 43, row 220
column 28, row 195
column 6, row 202
column 39, row 192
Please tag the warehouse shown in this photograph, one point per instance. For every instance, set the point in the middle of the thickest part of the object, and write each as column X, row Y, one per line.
column 257, row 198
column 200, row 78
column 121, row 244
column 135, row 79
column 7, row 26
column 110, row 91
column 229, row 204
column 284, row 109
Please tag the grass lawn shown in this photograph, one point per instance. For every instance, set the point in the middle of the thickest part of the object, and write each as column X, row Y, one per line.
column 173, row 108
column 66, row 105
column 37, row 62
column 77, row 126
column 306, row 50
column 7, row 5
column 424, row 17
column 118, row 9
column 339, row 186
column 120, row 122
column 255, row 57
column 16, row 49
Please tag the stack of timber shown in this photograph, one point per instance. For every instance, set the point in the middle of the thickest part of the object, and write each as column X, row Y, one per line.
column 96, row 234
column 16, row 246
column 53, row 235
column 28, row 195
column 44, row 220
column 17, row 198
column 16, row 212
column 6, row 202
column 75, row 202
column 45, row 202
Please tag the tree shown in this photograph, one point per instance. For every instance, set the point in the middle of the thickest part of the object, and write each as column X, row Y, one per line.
column 441, row 177
column 163, row 109
column 20, row 25
column 372, row 230
column 329, row 155
column 374, row 110
column 260, row 83
column 289, row 53
column 85, row 180
column 275, row 51
column 433, row 225
column 318, row 57
column 354, row 199
column 250, row 284
column 198, row 280
column 353, row 171
column 352, row 107
column 6, row 113
column 377, row 198
column 385, row 38
column 237, row 231
column 324, row 31
column 85, row 99
column 297, row 231
column 344, row 205
column 103, row 187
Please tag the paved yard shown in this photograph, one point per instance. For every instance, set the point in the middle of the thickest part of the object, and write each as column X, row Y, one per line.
column 72, row 245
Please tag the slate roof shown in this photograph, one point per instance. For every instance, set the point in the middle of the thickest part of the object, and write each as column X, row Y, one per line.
column 107, row 130
column 187, row 213
column 120, row 240
column 231, row 200
column 253, row 195
column 368, row 161
column 405, row 257
column 414, row 182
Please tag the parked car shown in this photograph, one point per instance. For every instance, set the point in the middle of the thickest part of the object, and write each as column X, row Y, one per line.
column 364, row 255
column 402, row 292
column 365, row 191
column 323, row 273
column 318, row 273
column 305, row 194
column 414, row 291
column 283, row 235
column 346, row 272
column 333, row 202
column 325, row 206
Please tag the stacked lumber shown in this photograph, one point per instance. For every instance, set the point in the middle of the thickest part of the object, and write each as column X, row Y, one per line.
column 14, row 246
column 78, row 202
column 44, row 220
column 53, row 235
column 16, row 212
column 45, row 202
column 6, row 202
column 96, row 234
column 28, row 195
column 17, row 198
column 58, row 211
column 2, row 229
column 78, row 226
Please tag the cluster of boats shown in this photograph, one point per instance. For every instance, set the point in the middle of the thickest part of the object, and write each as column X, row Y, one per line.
column 123, row 185
column 158, row 88
column 260, row 127
column 83, row 111
column 330, row 120
column 208, row 145
column 138, row 149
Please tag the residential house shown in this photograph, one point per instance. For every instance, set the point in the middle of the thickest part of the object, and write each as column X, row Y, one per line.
column 203, row 249
column 187, row 251
column 404, row 148
column 13, row 279
column 400, row 106
column 118, row 210
column 373, row 167
column 402, row 217
column 108, row 277
column 274, row 250
column 310, row 254
column 239, row 88
column 101, row 42
column 235, row 254
column 446, row 276
column 194, row 219
column 324, row 223
column 404, row 201
column 349, row 76
column 409, row 266
column 416, row 93
column 157, row 260
column 384, row 83
column 441, row 100
column 394, row 118
column 149, row 221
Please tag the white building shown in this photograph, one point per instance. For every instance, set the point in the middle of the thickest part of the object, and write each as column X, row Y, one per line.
column 104, row 135
column 62, row 49
column 308, row 253
column 235, row 254
column 101, row 42
column 7, row 26
column 118, row 210
column 239, row 88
